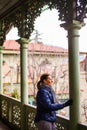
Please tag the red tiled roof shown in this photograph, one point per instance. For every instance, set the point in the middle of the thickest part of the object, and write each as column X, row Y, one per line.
column 42, row 47
column 13, row 45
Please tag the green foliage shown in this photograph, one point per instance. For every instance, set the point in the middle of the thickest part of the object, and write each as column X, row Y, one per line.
column 15, row 94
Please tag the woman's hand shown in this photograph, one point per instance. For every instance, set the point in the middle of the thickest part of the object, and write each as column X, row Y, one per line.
column 68, row 103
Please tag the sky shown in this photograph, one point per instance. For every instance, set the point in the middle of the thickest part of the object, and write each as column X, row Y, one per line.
column 51, row 33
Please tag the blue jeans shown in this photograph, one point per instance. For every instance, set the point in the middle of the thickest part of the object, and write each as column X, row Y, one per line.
column 45, row 125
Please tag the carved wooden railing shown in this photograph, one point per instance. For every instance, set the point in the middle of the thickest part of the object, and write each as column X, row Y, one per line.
column 10, row 113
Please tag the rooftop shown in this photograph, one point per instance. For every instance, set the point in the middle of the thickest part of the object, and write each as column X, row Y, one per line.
column 13, row 45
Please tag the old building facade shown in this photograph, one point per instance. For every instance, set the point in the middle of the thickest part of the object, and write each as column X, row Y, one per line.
column 43, row 59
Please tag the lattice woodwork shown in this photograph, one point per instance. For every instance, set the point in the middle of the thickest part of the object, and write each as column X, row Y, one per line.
column 24, row 16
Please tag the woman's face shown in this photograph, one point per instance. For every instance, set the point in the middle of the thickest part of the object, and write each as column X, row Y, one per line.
column 48, row 81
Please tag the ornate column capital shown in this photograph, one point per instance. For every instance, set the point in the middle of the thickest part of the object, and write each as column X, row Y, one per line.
column 74, row 24
column 23, row 41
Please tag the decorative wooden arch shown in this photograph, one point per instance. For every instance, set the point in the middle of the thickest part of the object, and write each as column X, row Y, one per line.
column 24, row 15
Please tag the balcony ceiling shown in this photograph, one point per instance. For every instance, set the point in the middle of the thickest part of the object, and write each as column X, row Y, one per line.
column 6, row 5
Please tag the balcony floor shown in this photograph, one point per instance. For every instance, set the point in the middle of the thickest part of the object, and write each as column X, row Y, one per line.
column 3, row 126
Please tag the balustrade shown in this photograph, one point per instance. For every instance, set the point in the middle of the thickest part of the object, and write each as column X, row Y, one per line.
column 10, row 113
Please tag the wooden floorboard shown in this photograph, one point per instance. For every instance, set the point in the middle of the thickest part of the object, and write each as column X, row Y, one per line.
column 3, row 126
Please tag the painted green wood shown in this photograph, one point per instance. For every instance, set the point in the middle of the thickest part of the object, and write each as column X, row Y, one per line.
column 12, row 116
column 24, row 79
column 24, row 70
column 1, row 70
column 74, row 72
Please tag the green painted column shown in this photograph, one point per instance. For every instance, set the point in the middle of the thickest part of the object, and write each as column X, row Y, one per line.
column 24, row 79
column 24, row 72
column 74, row 71
column 1, row 70
column 1, row 76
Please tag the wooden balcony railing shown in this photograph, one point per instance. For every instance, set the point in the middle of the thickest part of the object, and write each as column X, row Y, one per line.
column 10, row 113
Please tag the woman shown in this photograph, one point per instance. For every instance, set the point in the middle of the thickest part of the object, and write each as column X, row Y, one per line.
column 47, row 104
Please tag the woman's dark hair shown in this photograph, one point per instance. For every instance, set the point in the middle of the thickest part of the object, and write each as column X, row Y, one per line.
column 42, row 78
